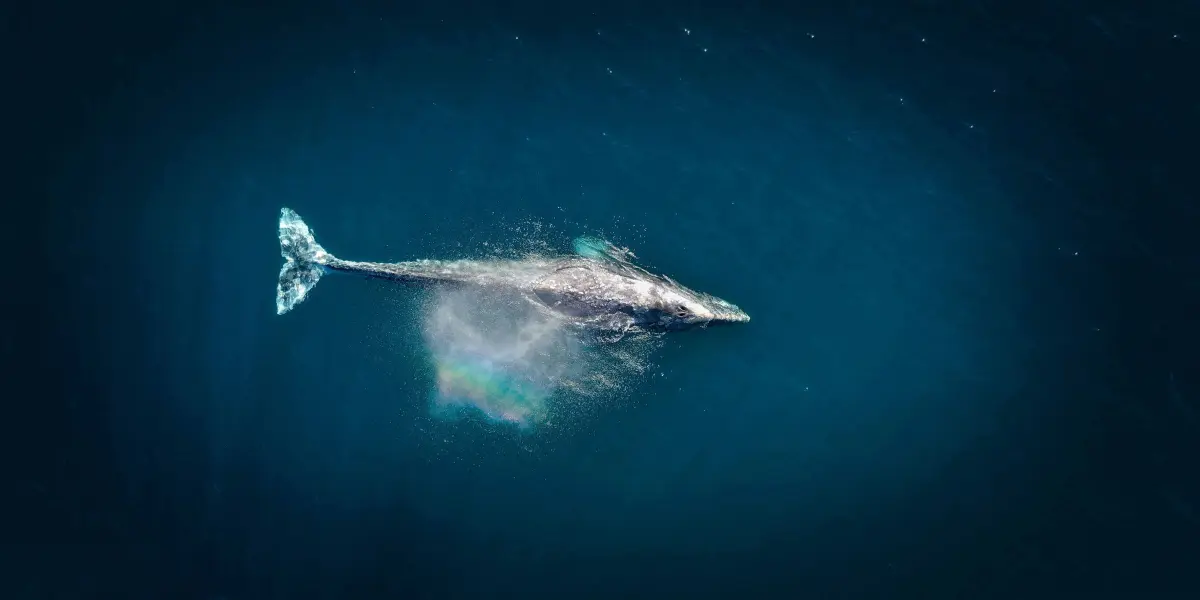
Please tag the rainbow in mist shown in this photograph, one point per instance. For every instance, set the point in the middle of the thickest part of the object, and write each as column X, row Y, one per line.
column 498, row 393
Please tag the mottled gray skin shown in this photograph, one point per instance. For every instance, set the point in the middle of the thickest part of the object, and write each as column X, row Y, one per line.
column 601, row 291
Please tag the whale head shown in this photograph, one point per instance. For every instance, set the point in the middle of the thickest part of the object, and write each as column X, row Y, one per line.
column 679, row 308
column 655, row 302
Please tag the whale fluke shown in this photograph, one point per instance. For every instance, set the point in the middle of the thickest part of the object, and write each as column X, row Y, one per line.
column 303, row 263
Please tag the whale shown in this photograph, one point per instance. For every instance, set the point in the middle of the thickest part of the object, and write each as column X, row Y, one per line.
column 597, row 288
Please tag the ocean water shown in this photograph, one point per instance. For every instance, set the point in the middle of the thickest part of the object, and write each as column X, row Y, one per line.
column 908, row 205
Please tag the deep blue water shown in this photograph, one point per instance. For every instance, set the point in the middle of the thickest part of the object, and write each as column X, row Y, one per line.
column 965, row 375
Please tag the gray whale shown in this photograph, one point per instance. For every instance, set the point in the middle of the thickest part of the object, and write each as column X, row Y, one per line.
column 597, row 288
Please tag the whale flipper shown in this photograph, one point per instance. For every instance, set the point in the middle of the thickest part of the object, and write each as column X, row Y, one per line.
column 304, row 261
column 594, row 247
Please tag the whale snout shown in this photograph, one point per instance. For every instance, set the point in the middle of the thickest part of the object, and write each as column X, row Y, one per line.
column 731, row 317
column 724, row 312
column 738, row 317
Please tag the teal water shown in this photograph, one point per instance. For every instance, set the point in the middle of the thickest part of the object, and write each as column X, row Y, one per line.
column 890, row 213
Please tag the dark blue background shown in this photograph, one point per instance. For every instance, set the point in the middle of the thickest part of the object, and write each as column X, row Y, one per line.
column 965, row 235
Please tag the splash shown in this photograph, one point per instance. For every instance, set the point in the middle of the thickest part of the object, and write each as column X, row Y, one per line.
column 496, row 355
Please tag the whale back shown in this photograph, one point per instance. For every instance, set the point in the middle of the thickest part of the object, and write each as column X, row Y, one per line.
column 586, row 288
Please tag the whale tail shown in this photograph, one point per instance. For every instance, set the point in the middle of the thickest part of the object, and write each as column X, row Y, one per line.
column 304, row 261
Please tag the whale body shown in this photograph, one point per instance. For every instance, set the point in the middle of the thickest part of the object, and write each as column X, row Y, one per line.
column 597, row 288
